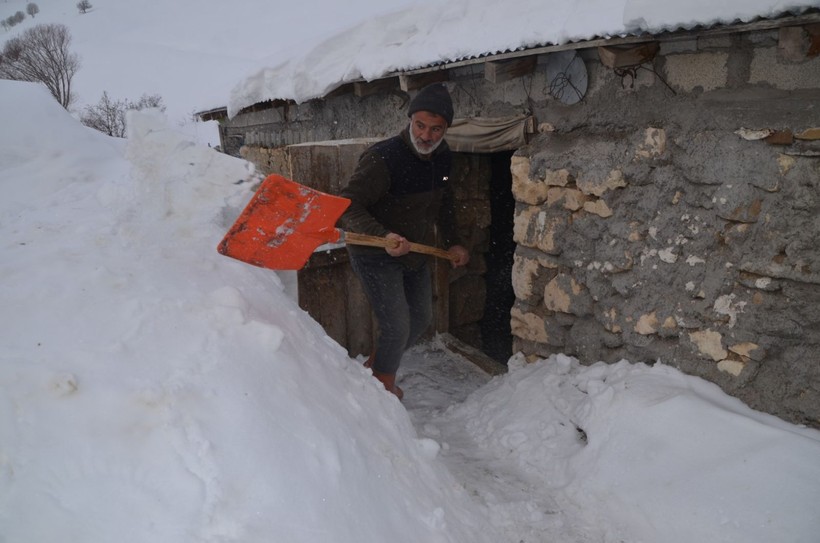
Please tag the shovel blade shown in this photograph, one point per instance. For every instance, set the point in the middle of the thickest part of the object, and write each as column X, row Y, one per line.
column 283, row 224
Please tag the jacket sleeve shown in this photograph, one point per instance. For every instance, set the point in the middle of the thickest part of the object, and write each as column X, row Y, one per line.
column 368, row 184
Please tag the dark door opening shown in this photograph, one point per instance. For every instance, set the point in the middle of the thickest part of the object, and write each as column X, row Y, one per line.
column 496, row 336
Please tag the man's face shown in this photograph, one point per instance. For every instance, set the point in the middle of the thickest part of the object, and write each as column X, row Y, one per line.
column 426, row 131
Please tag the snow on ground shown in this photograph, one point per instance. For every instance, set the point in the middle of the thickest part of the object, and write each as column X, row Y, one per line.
column 558, row 451
column 154, row 390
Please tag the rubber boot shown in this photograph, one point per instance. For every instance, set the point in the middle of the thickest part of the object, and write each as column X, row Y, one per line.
column 389, row 382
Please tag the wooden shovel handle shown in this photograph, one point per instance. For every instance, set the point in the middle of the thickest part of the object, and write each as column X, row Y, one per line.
column 375, row 241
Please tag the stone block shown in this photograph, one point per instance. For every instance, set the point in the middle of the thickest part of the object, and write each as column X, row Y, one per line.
column 709, row 344
column 609, row 319
column 597, row 187
column 558, row 178
column 727, row 306
column 637, row 231
column 524, row 188
column 529, row 275
column 738, row 202
column 535, row 227
column 565, row 295
column 748, row 350
column 809, row 134
column 653, row 146
column 780, row 137
column 568, row 198
column 528, row 326
column 731, row 366
column 785, row 163
column 598, row 207
column 647, row 324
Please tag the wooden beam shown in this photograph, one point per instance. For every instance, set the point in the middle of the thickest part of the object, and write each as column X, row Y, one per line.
column 498, row 71
column 484, row 362
column 413, row 82
column 621, row 56
column 379, row 86
column 346, row 88
column 441, row 296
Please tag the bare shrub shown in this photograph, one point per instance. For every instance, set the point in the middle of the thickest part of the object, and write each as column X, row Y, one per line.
column 108, row 116
column 84, row 5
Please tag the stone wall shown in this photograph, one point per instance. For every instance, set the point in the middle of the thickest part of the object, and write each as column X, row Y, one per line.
column 687, row 233
column 624, row 253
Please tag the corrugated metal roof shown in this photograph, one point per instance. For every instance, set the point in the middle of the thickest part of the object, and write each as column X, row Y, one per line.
column 787, row 18
column 311, row 76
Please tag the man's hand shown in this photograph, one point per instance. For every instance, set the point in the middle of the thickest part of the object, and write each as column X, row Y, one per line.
column 400, row 247
column 460, row 255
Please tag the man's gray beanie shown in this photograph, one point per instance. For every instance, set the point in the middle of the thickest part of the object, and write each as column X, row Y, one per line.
column 434, row 98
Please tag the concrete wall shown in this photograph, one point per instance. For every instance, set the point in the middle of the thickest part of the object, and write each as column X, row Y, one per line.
column 652, row 222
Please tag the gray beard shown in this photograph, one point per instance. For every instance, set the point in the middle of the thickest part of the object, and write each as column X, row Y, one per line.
column 425, row 153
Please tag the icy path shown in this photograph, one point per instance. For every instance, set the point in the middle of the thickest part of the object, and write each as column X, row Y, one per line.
column 555, row 451
column 434, row 380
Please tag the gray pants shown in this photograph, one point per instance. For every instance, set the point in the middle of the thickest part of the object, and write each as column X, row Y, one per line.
column 402, row 300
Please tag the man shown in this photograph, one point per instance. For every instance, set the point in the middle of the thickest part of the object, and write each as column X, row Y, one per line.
column 400, row 190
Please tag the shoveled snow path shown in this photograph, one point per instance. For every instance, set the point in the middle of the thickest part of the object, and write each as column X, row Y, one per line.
column 436, row 380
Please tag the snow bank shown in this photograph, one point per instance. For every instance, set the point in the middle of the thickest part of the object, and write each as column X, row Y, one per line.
column 647, row 453
column 154, row 390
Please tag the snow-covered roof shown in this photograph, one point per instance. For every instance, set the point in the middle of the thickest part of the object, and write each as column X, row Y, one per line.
column 433, row 33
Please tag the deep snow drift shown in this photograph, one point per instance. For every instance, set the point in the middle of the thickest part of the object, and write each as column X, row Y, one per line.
column 154, row 390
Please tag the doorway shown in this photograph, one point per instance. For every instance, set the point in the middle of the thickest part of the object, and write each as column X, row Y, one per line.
column 481, row 296
column 473, row 305
column 496, row 334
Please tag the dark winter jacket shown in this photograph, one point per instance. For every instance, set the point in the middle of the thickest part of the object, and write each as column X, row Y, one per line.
column 394, row 189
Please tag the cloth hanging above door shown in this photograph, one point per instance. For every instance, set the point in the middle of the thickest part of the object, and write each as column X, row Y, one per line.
column 489, row 134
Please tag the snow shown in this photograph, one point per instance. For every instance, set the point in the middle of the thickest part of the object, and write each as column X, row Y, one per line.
column 154, row 390
column 433, row 32
column 203, row 55
column 190, row 52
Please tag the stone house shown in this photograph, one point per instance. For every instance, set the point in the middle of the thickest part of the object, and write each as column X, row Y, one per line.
column 654, row 198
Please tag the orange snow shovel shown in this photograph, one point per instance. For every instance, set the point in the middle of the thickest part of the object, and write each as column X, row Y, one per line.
column 285, row 222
